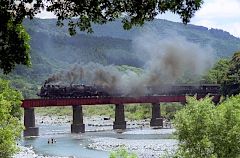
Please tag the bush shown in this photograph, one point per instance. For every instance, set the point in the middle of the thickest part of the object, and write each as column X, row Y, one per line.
column 122, row 153
column 209, row 131
column 10, row 115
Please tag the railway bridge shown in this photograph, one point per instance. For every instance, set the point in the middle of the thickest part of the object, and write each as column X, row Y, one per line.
column 78, row 125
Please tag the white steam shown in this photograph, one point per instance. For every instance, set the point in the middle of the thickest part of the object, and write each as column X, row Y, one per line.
column 165, row 61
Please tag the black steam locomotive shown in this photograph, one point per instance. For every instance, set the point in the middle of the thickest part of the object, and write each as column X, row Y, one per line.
column 72, row 91
column 82, row 91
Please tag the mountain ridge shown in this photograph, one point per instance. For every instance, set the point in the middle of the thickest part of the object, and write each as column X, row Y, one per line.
column 223, row 42
column 111, row 44
column 54, row 50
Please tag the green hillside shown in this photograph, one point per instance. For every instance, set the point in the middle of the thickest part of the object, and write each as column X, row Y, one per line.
column 110, row 44
column 112, row 35
column 52, row 49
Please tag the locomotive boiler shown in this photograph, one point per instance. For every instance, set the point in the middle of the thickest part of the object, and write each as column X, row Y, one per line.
column 72, row 91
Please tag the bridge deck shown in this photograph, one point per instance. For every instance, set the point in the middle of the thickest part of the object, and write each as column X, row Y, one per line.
column 27, row 103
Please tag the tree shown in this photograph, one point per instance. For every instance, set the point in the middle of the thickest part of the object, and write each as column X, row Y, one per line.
column 231, row 84
column 10, row 115
column 192, row 125
column 209, row 131
column 233, row 74
column 218, row 72
column 14, row 47
column 227, row 73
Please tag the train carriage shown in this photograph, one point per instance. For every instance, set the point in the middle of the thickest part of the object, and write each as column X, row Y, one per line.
column 81, row 91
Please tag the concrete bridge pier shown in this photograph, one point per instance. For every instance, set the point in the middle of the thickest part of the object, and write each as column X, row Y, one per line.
column 77, row 126
column 157, row 120
column 119, row 122
column 29, row 123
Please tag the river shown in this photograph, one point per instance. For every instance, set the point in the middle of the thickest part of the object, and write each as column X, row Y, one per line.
column 144, row 141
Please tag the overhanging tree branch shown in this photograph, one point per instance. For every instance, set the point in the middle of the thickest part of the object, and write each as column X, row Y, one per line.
column 14, row 47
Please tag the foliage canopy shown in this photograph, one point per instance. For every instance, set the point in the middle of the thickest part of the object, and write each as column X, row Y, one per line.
column 14, row 47
column 206, row 130
column 231, row 82
column 10, row 115
column 227, row 73
column 218, row 72
column 233, row 74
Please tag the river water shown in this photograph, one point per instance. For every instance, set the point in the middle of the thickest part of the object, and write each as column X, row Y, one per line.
column 85, row 145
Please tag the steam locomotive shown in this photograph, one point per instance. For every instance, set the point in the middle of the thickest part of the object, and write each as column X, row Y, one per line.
column 72, row 91
column 82, row 91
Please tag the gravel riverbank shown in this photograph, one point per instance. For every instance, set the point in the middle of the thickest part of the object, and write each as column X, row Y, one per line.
column 147, row 148
column 27, row 152
column 144, row 149
column 94, row 123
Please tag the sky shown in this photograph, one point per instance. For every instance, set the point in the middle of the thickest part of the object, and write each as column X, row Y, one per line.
column 220, row 14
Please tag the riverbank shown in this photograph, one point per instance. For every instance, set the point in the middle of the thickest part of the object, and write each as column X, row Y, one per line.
column 96, row 123
column 28, row 152
column 92, row 124
column 143, row 148
column 138, row 138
